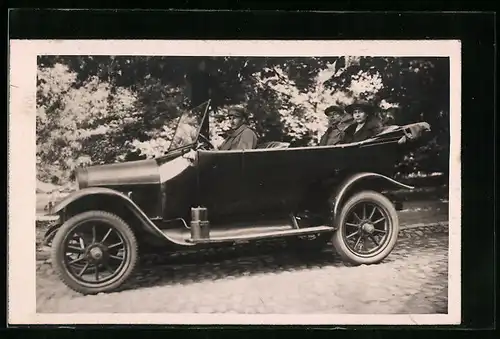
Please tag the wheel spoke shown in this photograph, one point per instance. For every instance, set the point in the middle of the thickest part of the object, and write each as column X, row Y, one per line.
column 93, row 234
column 82, row 243
column 358, row 241
column 74, row 261
column 106, row 235
column 96, row 272
column 380, row 231
column 116, row 257
column 84, row 269
column 357, row 217
column 364, row 211
column 372, row 213
column 351, row 235
column 352, row 225
column 114, row 245
column 379, row 220
column 75, row 249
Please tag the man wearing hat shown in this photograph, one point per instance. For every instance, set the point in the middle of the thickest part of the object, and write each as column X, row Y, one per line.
column 241, row 136
column 366, row 124
column 339, row 120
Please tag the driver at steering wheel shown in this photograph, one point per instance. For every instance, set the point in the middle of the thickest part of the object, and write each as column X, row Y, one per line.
column 241, row 136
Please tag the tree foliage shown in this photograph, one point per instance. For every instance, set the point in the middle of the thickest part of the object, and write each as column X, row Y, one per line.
column 101, row 109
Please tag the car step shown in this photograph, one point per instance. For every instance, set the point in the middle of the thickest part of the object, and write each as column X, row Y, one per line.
column 263, row 235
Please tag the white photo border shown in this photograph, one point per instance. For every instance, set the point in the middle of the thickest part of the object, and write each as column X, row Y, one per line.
column 22, row 173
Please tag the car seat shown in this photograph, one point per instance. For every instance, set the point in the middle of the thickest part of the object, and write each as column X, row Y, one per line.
column 273, row 144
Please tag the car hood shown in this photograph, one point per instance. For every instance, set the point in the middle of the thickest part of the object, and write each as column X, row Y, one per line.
column 119, row 174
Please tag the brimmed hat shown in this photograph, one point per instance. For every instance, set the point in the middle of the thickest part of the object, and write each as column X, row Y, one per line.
column 334, row 109
column 238, row 111
column 367, row 106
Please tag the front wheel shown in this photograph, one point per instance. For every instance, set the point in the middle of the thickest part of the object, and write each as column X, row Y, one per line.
column 368, row 229
column 94, row 252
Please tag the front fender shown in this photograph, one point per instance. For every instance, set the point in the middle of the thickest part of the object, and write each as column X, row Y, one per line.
column 59, row 206
column 50, row 234
column 76, row 197
column 357, row 181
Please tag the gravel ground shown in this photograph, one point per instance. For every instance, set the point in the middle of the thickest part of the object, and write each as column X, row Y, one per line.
column 277, row 278
column 413, row 279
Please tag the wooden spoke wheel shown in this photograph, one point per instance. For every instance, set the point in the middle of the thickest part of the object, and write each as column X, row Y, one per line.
column 368, row 228
column 94, row 252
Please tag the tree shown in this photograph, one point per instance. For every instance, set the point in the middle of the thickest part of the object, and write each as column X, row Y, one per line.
column 78, row 124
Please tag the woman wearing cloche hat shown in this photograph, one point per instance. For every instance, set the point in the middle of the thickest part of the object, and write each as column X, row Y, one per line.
column 366, row 124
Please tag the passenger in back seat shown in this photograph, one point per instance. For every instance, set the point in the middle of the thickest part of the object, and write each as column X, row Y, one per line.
column 339, row 120
column 366, row 123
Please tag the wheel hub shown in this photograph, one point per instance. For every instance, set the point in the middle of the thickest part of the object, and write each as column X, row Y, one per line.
column 368, row 228
column 96, row 253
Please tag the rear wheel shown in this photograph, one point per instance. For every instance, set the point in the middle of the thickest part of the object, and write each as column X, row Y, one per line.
column 368, row 229
column 94, row 252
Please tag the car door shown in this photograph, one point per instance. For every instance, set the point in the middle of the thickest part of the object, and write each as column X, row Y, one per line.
column 278, row 180
column 272, row 181
column 220, row 183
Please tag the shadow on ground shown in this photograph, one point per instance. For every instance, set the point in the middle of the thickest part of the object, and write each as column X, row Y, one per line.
column 172, row 269
column 162, row 270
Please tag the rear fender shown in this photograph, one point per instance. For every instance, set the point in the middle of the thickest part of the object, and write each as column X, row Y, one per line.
column 359, row 182
column 100, row 198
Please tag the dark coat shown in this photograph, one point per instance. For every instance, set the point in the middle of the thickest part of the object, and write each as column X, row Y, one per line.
column 241, row 138
column 335, row 131
column 372, row 127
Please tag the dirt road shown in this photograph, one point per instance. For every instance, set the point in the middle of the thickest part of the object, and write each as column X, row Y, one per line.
column 413, row 279
column 279, row 279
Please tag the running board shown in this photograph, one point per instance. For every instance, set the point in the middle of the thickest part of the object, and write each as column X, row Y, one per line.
column 263, row 235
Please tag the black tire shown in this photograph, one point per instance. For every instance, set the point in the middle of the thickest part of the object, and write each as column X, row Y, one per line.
column 391, row 228
column 123, row 232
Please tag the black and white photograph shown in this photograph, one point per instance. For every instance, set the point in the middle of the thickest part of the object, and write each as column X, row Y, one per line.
column 235, row 182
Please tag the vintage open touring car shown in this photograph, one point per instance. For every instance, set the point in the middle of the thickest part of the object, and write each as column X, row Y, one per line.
column 195, row 196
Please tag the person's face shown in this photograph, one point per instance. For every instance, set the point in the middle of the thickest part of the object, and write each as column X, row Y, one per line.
column 236, row 121
column 359, row 115
column 334, row 117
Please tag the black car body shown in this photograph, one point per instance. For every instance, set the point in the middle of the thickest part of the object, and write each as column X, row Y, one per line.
column 195, row 196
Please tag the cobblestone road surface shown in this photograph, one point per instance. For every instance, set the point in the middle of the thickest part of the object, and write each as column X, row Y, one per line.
column 413, row 279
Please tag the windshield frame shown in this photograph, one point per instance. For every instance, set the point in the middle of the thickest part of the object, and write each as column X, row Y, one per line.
column 198, row 131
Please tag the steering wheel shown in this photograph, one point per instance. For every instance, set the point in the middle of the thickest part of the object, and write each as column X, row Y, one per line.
column 204, row 143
